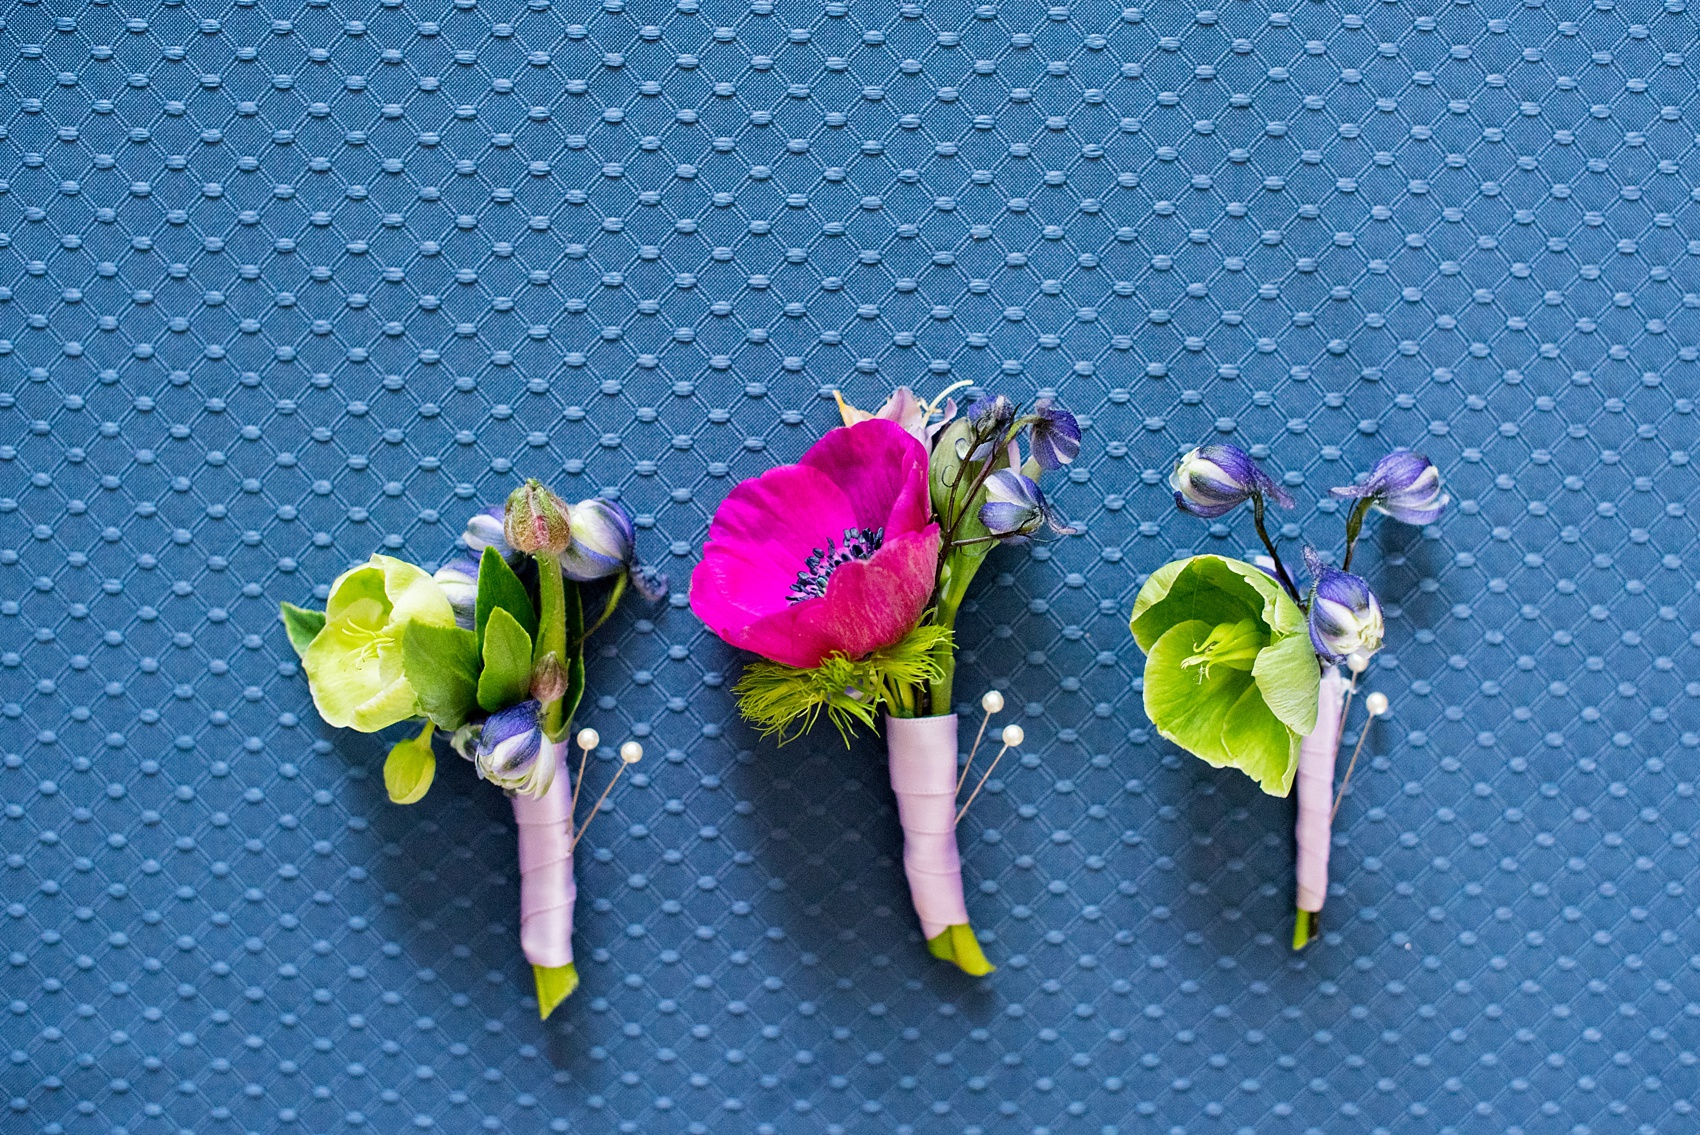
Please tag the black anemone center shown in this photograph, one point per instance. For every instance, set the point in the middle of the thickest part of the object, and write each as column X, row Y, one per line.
column 859, row 544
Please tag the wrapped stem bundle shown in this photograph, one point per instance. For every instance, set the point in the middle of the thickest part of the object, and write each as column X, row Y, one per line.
column 1241, row 666
column 495, row 659
column 845, row 573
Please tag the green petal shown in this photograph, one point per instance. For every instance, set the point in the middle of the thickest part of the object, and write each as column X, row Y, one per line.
column 395, row 702
column 1289, row 678
column 1213, row 589
column 413, row 594
column 343, row 667
column 1221, row 718
column 362, row 582
column 1259, row 745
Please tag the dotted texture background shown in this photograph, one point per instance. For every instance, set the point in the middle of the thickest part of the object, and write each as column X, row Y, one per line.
column 284, row 285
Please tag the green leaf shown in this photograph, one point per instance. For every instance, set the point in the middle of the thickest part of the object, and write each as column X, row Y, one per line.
column 554, row 985
column 301, row 625
column 1213, row 589
column 410, row 768
column 1220, row 716
column 506, row 679
column 441, row 664
column 499, row 587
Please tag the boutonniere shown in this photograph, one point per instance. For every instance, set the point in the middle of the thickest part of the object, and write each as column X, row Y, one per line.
column 490, row 653
column 1242, row 665
column 845, row 573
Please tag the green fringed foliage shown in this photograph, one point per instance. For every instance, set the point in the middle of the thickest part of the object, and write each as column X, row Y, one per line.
column 786, row 701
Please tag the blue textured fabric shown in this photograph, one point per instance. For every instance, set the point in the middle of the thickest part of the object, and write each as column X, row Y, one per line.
column 286, row 284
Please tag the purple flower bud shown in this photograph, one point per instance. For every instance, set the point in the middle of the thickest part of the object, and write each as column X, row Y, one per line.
column 1213, row 480
column 484, row 530
column 1345, row 617
column 604, row 540
column 512, row 752
column 459, row 580
column 1016, row 508
column 1403, row 485
column 1056, row 436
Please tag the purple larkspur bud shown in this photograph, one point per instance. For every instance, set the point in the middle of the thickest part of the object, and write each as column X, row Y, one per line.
column 604, row 540
column 1056, row 436
column 459, row 580
column 1213, row 480
column 484, row 530
column 1016, row 508
column 1404, row 485
column 1345, row 617
column 511, row 751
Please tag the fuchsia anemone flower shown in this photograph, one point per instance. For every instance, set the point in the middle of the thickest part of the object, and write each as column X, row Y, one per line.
column 834, row 553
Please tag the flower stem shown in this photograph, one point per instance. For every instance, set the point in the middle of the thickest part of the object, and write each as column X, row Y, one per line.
column 1354, row 525
column 619, row 590
column 551, row 632
column 1263, row 533
column 958, row 573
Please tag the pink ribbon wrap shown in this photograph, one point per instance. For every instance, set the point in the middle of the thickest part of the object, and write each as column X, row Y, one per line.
column 1317, row 754
column 547, row 889
column 923, row 776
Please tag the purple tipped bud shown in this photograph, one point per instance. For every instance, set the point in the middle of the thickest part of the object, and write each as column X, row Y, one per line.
column 459, row 580
column 1016, row 508
column 512, row 752
column 1213, row 480
column 537, row 520
column 1345, row 617
column 603, row 541
column 484, row 530
column 1403, row 485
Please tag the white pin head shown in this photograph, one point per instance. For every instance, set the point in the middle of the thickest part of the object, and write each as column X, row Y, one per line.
column 992, row 702
column 1376, row 703
column 631, row 752
column 588, row 739
column 1357, row 662
column 1013, row 736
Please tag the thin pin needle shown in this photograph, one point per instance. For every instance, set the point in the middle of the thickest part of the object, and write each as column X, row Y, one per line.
column 1357, row 663
column 992, row 703
column 630, row 754
column 1012, row 736
column 1376, row 703
column 587, row 740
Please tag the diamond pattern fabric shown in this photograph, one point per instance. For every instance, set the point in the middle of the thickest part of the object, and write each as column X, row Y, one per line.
column 283, row 284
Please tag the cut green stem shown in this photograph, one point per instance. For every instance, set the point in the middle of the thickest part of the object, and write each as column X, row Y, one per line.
column 1263, row 533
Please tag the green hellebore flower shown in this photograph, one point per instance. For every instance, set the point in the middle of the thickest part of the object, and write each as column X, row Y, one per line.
column 1230, row 672
column 354, row 665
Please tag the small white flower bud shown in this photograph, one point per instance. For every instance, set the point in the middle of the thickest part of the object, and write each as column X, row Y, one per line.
column 631, row 752
column 1013, row 735
column 992, row 702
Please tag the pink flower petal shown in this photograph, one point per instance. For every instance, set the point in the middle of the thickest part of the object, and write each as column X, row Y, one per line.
column 872, row 476
column 868, row 604
column 875, row 463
